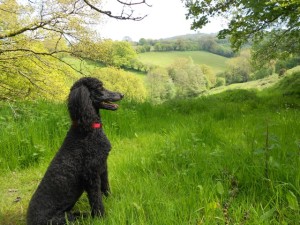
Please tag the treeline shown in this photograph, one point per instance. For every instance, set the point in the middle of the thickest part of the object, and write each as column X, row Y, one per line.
column 119, row 54
column 198, row 42
column 124, row 54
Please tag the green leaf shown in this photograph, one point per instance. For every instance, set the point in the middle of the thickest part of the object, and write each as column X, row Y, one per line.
column 200, row 189
column 292, row 200
column 267, row 215
column 220, row 188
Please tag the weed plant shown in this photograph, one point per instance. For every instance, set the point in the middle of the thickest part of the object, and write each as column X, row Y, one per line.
column 195, row 161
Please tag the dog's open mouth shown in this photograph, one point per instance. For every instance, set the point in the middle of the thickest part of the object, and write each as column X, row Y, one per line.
column 108, row 105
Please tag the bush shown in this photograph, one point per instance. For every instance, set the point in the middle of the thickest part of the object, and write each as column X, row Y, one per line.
column 220, row 82
column 263, row 72
column 160, row 86
column 287, row 64
column 111, row 53
column 239, row 68
column 124, row 82
column 210, row 76
column 239, row 95
column 289, row 85
column 188, row 78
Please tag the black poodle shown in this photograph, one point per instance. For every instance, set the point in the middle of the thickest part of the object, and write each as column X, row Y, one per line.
column 81, row 163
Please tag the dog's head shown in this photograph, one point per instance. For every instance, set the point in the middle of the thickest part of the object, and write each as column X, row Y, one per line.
column 86, row 97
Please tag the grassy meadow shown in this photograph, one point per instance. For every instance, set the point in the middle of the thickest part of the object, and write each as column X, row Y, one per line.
column 228, row 158
column 255, row 84
column 164, row 59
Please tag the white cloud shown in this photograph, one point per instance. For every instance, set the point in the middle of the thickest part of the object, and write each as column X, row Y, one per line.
column 166, row 18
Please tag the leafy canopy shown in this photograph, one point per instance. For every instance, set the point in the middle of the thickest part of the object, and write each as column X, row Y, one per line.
column 275, row 22
column 36, row 35
column 119, row 80
column 188, row 78
column 160, row 86
column 119, row 54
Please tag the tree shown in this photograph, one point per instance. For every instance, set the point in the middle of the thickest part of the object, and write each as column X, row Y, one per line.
column 143, row 41
column 209, row 74
column 273, row 23
column 26, row 25
column 187, row 77
column 119, row 54
column 160, row 86
column 239, row 68
column 119, row 80
column 123, row 54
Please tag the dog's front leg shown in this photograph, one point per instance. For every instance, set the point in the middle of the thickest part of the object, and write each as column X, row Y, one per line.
column 105, row 189
column 95, row 198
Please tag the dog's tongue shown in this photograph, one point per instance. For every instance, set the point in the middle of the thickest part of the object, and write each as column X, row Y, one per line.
column 113, row 106
column 109, row 106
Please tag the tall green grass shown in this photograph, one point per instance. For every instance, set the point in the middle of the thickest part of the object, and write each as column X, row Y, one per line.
column 29, row 132
column 228, row 158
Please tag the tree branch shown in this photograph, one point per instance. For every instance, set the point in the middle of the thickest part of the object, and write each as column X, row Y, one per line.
column 34, row 52
column 134, row 3
column 30, row 27
column 51, row 54
column 120, row 17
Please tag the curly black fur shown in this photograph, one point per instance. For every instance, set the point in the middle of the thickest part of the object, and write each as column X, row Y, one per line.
column 80, row 164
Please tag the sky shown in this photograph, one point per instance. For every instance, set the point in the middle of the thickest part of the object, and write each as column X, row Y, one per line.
column 166, row 18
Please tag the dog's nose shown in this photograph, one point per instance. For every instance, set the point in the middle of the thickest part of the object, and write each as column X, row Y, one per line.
column 122, row 95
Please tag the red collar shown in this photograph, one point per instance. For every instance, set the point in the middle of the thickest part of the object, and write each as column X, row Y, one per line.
column 94, row 125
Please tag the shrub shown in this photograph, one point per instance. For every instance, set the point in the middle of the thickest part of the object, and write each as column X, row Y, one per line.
column 188, row 78
column 239, row 68
column 240, row 95
column 220, row 81
column 210, row 75
column 263, row 72
column 289, row 85
column 281, row 72
column 160, row 86
column 124, row 82
column 287, row 63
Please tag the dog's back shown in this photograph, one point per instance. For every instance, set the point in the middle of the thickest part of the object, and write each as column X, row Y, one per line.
column 60, row 188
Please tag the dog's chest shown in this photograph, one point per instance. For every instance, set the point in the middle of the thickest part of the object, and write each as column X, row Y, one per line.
column 102, row 144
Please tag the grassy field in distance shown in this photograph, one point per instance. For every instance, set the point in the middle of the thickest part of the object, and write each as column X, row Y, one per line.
column 164, row 59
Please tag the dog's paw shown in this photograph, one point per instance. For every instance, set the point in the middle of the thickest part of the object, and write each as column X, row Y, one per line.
column 81, row 215
column 98, row 213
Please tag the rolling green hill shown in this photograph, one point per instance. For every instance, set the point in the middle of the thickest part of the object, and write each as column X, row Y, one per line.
column 270, row 81
column 164, row 59
column 255, row 84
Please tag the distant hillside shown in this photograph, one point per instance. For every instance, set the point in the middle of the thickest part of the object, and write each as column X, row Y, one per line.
column 190, row 36
column 164, row 59
column 255, row 84
column 276, row 85
column 188, row 42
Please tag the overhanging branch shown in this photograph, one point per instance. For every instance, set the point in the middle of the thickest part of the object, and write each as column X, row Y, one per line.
column 120, row 17
column 30, row 27
column 134, row 3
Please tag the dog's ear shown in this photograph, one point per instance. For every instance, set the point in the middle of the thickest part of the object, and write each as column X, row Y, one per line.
column 81, row 108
